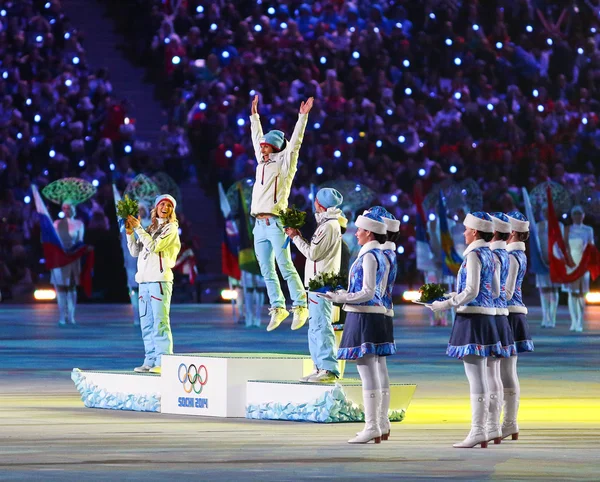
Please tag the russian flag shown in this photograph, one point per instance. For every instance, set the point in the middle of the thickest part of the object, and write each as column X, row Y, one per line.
column 54, row 252
column 451, row 260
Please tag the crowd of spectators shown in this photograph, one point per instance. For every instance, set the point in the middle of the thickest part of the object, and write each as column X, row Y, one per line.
column 407, row 93
column 58, row 118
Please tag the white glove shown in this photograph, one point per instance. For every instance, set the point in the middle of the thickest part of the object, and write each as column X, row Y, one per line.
column 440, row 305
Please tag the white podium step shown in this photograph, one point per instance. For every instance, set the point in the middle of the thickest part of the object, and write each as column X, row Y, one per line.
column 339, row 401
column 214, row 384
column 115, row 390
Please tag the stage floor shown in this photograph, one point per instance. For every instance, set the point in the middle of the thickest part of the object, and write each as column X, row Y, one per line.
column 47, row 434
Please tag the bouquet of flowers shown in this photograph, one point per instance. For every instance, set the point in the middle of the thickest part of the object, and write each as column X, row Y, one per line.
column 431, row 292
column 324, row 282
column 292, row 218
column 127, row 207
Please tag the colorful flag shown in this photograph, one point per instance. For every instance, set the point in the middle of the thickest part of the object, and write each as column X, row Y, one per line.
column 451, row 260
column 55, row 254
column 536, row 261
column 425, row 261
column 590, row 261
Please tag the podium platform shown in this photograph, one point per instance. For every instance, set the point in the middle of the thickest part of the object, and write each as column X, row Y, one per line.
column 261, row 386
column 339, row 401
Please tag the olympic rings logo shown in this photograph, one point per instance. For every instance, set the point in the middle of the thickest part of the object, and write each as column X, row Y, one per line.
column 192, row 378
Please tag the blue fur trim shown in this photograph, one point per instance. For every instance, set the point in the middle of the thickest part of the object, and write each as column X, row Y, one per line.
column 381, row 349
column 506, row 351
column 473, row 349
column 524, row 346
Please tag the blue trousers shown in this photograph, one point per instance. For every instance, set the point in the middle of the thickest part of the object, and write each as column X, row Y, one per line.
column 269, row 239
column 321, row 338
column 154, row 306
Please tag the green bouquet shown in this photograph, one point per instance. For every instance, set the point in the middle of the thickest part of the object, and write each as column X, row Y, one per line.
column 324, row 282
column 292, row 218
column 127, row 207
column 431, row 292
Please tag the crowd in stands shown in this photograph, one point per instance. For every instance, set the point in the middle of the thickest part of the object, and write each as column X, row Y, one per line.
column 408, row 93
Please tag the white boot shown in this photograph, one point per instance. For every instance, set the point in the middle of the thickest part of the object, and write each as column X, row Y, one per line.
column 61, row 300
column 372, row 403
column 511, row 410
column 580, row 311
column 384, row 421
column 573, row 311
column 71, row 305
column 494, row 429
column 479, row 412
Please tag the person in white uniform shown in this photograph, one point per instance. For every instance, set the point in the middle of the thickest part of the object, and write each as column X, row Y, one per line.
column 577, row 237
column 65, row 279
column 549, row 291
column 156, row 249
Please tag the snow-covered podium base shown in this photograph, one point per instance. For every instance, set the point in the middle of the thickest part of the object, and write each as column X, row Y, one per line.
column 339, row 401
column 139, row 392
column 214, row 384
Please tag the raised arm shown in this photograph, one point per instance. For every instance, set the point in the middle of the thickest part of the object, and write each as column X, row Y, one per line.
column 291, row 161
column 256, row 128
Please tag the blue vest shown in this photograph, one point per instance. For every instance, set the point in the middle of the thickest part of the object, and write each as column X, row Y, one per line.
column 355, row 281
column 390, row 254
column 502, row 255
column 517, row 298
column 484, row 298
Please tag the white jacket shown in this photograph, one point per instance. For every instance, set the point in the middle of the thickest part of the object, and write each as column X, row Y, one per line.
column 274, row 177
column 156, row 253
column 324, row 252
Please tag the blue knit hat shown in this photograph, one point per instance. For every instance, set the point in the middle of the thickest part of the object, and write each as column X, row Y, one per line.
column 391, row 223
column 480, row 221
column 329, row 198
column 371, row 222
column 168, row 197
column 501, row 223
column 518, row 222
column 275, row 139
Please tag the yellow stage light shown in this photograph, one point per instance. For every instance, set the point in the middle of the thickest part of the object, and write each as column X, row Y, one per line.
column 411, row 295
column 593, row 297
column 44, row 295
column 229, row 295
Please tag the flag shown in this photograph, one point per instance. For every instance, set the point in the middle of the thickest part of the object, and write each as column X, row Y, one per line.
column 186, row 264
column 451, row 260
column 425, row 260
column 247, row 256
column 230, row 246
column 590, row 261
column 537, row 264
column 55, row 254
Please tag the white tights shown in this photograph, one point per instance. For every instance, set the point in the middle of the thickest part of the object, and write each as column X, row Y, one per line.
column 373, row 376
column 508, row 373
column 493, row 374
column 476, row 371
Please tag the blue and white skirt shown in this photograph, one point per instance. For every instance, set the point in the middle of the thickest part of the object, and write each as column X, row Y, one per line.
column 474, row 334
column 520, row 328
column 367, row 334
column 507, row 339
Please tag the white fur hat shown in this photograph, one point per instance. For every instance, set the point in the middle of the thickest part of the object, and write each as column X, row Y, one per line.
column 480, row 221
column 518, row 222
column 371, row 223
column 501, row 223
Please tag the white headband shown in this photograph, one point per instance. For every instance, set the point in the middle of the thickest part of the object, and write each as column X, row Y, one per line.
column 479, row 224
column 370, row 225
column 501, row 226
column 518, row 225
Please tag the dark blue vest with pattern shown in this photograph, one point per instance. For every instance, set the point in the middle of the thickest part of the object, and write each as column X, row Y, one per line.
column 390, row 254
column 517, row 298
column 484, row 298
column 355, row 282
column 502, row 256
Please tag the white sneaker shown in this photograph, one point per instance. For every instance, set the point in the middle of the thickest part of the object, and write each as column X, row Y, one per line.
column 310, row 375
column 277, row 317
column 300, row 317
column 142, row 369
column 322, row 376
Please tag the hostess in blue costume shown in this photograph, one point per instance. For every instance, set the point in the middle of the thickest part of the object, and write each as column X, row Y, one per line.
column 366, row 338
column 517, row 318
column 392, row 226
column 502, row 230
column 474, row 334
